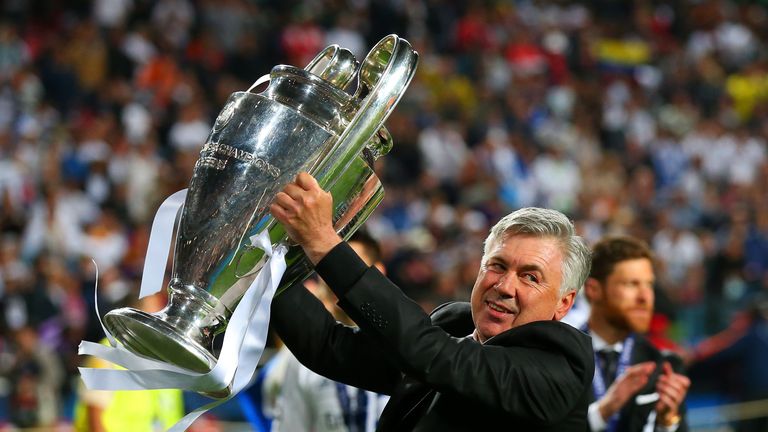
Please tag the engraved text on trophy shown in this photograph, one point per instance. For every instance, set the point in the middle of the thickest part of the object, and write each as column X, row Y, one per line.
column 227, row 150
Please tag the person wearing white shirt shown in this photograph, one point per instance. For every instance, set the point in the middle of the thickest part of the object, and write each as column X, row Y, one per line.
column 636, row 387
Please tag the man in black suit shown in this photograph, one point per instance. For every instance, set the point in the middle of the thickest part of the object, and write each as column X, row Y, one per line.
column 636, row 387
column 503, row 360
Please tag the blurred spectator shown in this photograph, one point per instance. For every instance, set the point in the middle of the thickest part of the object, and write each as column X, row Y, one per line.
column 14, row 53
column 37, row 377
column 56, row 222
column 137, row 121
column 678, row 249
column 346, row 33
column 301, row 39
column 498, row 157
column 558, row 179
column 17, row 300
column 86, row 54
column 126, row 410
column 138, row 45
column 159, row 75
column 740, row 352
column 755, row 248
column 111, row 13
column 105, row 240
column 188, row 134
column 176, row 18
column 143, row 171
column 750, row 152
column 444, row 152
column 229, row 19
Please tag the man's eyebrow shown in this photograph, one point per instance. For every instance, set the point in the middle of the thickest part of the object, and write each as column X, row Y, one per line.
column 532, row 267
column 640, row 281
column 495, row 259
column 524, row 267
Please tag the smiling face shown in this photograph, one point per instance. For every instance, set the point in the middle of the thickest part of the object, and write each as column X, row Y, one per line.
column 625, row 299
column 518, row 283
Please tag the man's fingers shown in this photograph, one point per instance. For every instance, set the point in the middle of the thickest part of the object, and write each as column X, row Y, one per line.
column 283, row 200
column 675, row 386
column 294, row 191
column 644, row 368
column 638, row 382
column 665, row 403
column 305, row 190
column 669, row 398
column 672, row 390
column 306, row 181
column 676, row 381
column 280, row 206
column 278, row 212
column 306, row 212
column 635, row 377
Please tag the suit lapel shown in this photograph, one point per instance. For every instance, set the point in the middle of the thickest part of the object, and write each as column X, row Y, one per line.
column 411, row 398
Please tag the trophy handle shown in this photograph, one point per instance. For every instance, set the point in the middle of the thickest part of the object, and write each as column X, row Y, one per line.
column 384, row 74
column 383, row 78
column 335, row 65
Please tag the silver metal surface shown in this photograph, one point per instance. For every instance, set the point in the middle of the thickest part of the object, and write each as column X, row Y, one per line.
column 304, row 121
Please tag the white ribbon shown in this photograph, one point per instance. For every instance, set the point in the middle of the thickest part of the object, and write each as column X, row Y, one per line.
column 242, row 348
column 160, row 243
column 262, row 79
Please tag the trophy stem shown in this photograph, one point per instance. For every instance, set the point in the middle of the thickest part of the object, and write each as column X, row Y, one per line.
column 181, row 334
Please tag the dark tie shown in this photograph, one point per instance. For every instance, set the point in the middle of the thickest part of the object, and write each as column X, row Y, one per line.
column 355, row 412
column 609, row 362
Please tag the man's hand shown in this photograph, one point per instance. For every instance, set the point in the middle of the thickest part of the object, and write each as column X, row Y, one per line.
column 305, row 210
column 624, row 387
column 672, row 388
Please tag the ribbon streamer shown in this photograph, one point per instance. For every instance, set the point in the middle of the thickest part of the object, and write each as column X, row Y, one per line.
column 160, row 243
column 243, row 344
column 262, row 79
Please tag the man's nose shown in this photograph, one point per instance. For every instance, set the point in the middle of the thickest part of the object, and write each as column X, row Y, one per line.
column 506, row 286
column 645, row 295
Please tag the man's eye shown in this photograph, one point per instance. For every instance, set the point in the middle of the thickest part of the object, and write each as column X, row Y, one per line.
column 494, row 267
column 531, row 277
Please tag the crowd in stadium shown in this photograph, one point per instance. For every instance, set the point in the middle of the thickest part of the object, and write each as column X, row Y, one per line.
column 642, row 117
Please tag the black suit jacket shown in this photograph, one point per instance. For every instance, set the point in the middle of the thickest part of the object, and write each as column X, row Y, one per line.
column 634, row 416
column 534, row 377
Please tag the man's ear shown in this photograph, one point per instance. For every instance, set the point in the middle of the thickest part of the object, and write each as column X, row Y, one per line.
column 564, row 305
column 593, row 290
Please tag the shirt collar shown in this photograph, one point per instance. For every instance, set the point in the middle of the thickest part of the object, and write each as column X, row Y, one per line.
column 599, row 344
column 473, row 336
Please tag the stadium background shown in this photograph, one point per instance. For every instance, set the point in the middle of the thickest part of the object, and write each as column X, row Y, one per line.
column 641, row 117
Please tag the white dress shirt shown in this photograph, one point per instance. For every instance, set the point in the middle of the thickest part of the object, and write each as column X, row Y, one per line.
column 596, row 421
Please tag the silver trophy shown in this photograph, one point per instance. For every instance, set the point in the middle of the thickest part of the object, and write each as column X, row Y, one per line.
column 306, row 120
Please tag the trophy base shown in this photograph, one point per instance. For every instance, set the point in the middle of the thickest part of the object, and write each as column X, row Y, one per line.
column 145, row 334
